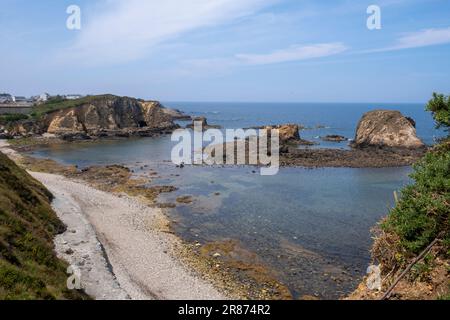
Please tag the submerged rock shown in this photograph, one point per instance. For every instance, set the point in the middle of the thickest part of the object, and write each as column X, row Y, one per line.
column 184, row 199
column 334, row 138
column 386, row 128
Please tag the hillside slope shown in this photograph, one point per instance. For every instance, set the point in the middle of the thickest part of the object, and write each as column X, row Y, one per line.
column 29, row 268
column 420, row 216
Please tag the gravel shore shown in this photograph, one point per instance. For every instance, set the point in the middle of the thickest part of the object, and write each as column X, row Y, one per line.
column 118, row 246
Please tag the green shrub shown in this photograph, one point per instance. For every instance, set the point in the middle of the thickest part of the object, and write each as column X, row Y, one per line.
column 423, row 213
column 6, row 118
column 439, row 105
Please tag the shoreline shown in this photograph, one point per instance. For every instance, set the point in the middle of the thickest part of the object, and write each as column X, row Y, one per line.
column 233, row 277
column 121, row 246
column 80, row 247
column 291, row 156
column 141, row 255
column 105, row 254
column 224, row 274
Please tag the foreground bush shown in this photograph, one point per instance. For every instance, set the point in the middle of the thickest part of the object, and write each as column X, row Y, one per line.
column 423, row 213
column 421, row 216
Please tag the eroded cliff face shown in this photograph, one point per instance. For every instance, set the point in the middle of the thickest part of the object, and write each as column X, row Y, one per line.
column 385, row 128
column 109, row 116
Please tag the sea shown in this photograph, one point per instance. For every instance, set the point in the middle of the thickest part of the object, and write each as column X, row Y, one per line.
column 312, row 228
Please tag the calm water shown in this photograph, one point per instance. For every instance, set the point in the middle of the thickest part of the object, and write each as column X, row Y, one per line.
column 338, row 118
column 312, row 227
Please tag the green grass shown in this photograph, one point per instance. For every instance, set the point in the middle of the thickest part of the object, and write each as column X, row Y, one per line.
column 29, row 268
column 6, row 118
column 56, row 104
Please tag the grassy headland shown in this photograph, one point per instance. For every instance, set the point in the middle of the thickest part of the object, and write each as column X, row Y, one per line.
column 29, row 268
column 57, row 103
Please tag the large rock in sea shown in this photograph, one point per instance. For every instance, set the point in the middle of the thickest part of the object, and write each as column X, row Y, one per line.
column 386, row 128
column 287, row 132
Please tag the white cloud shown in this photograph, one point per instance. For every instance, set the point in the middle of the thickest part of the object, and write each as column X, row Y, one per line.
column 225, row 65
column 293, row 53
column 129, row 29
column 428, row 37
column 423, row 38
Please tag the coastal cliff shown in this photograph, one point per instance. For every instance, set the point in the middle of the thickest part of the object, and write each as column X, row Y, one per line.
column 97, row 116
column 109, row 115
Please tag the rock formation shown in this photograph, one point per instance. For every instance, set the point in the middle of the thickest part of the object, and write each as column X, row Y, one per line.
column 334, row 138
column 176, row 114
column 204, row 123
column 288, row 133
column 22, row 128
column 385, row 128
column 100, row 116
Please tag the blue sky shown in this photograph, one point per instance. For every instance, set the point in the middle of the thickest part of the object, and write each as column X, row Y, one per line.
column 228, row 50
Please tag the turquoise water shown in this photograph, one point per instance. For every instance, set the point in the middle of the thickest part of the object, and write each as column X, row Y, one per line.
column 311, row 226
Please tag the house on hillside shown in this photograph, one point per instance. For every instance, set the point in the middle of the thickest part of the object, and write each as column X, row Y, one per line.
column 20, row 99
column 73, row 96
column 43, row 97
column 6, row 98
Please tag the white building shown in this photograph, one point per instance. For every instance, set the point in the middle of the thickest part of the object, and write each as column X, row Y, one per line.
column 73, row 96
column 6, row 98
column 43, row 97
column 20, row 99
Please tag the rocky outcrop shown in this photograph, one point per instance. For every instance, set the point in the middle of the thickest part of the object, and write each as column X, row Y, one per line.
column 108, row 116
column 176, row 114
column 385, row 128
column 23, row 128
column 334, row 138
column 204, row 123
column 288, row 133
